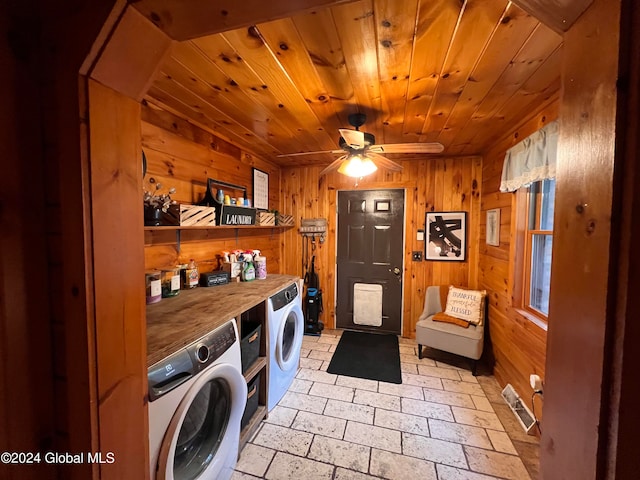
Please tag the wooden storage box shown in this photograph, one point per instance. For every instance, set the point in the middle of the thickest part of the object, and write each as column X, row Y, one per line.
column 266, row 218
column 197, row 216
column 285, row 220
column 186, row 215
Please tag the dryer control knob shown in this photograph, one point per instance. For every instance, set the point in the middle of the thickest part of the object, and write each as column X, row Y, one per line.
column 202, row 353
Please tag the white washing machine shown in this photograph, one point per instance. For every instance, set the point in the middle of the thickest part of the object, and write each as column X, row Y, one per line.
column 286, row 329
column 196, row 400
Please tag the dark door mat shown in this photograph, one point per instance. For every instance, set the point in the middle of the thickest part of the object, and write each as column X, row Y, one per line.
column 367, row 355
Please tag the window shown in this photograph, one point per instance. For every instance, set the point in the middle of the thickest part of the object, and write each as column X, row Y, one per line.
column 529, row 170
column 538, row 233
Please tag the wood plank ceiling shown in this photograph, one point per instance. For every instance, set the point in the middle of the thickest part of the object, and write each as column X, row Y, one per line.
column 459, row 72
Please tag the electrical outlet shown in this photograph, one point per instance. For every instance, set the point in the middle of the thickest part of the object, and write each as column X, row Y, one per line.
column 536, row 383
column 417, row 256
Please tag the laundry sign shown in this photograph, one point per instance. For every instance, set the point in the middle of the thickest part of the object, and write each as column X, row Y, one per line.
column 237, row 215
column 233, row 219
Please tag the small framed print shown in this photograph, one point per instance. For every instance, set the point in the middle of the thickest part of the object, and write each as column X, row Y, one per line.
column 260, row 189
column 493, row 227
column 446, row 236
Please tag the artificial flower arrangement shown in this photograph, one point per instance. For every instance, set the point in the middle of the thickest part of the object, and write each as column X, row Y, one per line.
column 156, row 203
column 156, row 200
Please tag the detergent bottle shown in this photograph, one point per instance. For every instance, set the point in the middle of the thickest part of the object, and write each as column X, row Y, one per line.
column 260, row 263
column 249, row 271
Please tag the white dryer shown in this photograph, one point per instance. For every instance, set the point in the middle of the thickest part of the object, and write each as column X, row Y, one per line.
column 196, row 400
column 286, row 329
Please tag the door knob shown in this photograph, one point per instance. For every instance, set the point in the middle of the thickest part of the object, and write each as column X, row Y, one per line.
column 396, row 271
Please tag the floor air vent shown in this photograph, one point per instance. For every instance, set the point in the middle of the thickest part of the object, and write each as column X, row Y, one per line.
column 520, row 410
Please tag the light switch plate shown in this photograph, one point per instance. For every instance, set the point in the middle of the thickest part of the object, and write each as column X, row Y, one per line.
column 416, row 256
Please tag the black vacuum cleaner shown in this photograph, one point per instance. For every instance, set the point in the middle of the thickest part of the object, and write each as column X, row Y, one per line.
column 313, row 302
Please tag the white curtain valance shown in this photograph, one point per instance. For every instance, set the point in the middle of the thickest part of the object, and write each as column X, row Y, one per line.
column 531, row 160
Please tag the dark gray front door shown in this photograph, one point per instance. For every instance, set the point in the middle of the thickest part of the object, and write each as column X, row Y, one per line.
column 370, row 252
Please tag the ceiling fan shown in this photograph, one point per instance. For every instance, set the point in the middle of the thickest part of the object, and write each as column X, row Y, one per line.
column 359, row 150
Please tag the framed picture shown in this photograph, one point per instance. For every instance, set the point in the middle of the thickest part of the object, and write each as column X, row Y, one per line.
column 493, row 227
column 446, row 236
column 260, row 189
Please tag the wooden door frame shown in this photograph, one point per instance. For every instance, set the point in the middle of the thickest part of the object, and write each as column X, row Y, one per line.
column 334, row 216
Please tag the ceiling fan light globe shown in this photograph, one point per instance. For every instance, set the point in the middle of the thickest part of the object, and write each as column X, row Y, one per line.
column 356, row 166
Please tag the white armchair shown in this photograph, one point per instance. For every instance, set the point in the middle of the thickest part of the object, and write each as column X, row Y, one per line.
column 467, row 342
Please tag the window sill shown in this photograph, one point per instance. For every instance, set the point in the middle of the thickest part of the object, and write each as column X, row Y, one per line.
column 535, row 319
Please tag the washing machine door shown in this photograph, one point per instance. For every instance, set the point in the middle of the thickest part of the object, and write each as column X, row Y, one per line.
column 290, row 332
column 202, row 439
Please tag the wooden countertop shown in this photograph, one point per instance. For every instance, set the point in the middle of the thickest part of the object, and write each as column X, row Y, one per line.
column 179, row 321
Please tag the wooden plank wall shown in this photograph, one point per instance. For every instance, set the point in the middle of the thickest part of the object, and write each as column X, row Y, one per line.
column 183, row 156
column 518, row 344
column 431, row 184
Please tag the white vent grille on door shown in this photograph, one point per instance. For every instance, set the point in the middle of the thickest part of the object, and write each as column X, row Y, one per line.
column 367, row 304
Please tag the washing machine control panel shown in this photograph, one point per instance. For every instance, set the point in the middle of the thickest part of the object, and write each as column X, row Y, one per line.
column 168, row 374
column 209, row 348
column 284, row 297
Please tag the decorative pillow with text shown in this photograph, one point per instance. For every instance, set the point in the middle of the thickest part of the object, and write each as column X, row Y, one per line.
column 466, row 304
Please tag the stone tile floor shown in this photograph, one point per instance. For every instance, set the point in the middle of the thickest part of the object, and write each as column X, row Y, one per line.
column 441, row 423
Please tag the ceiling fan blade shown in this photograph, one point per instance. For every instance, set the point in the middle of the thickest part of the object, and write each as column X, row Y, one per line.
column 309, row 153
column 333, row 165
column 384, row 162
column 433, row 147
column 354, row 138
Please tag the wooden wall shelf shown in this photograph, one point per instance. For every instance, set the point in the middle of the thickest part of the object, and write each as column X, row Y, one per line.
column 216, row 228
column 219, row 227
